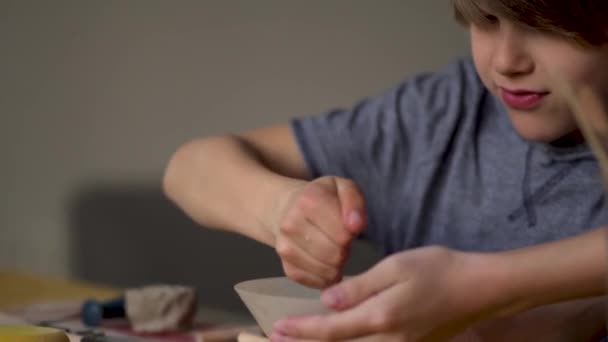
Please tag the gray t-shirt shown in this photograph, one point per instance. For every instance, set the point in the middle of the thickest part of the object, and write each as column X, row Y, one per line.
column 440, row 163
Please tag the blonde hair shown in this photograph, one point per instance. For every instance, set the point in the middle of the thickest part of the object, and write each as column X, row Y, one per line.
column 584, row 21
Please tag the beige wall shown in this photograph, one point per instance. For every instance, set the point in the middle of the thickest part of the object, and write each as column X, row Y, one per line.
column 103, row 91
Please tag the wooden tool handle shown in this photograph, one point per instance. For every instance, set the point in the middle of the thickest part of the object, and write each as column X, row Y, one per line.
column 226, row 334
column 249, row 337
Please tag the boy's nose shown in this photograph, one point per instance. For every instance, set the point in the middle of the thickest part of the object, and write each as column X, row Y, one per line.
column 511, row 58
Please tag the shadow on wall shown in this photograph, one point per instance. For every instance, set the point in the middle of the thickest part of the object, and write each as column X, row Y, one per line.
column 131, row 235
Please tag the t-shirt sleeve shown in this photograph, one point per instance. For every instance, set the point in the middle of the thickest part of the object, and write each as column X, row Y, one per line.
column 354, row 142
column 380, row 133
column 378, row 141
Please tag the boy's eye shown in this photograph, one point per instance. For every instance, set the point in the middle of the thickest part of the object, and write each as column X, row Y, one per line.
column 488, row 22
column 491, row 18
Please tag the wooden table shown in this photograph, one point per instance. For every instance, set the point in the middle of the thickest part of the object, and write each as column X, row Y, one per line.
column 19, row 289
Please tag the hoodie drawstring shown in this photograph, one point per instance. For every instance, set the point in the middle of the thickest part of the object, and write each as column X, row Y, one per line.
column 529, row 199
column 528, row 204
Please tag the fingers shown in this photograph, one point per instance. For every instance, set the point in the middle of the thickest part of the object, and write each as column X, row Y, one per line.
column 372, row 338
column 376, row 315
column 302, row 259
column 308, row 251
column 313, row 237
column 355, row 290
column 320, row 204
column 352, row 205
column 303, row 277
column 282, row 338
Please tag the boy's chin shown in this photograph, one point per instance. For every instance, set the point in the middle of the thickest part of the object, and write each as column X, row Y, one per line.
column 541, row 128
column 539, row 133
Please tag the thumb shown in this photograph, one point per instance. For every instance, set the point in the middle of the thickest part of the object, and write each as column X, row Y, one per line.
column 357, row 289
column 352, row 204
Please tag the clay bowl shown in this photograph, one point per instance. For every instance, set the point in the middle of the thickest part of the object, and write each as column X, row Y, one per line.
column 272, row 299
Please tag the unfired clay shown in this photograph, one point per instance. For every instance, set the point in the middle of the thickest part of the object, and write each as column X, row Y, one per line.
column 160, row 308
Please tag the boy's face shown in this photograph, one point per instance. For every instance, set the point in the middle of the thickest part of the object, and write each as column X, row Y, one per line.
column 514, row 63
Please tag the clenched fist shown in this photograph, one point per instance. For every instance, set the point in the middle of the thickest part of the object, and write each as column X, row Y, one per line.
column 316, row 224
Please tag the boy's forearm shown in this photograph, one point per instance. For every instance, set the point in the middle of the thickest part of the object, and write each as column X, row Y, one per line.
column 550, row 273
column 220, row 183
column 580, row 320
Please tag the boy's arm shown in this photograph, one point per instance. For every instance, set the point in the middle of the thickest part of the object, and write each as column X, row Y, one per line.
column 257, row 185
column 579, row 320
column 433, row 292
column 553, row 272
column 235, row 182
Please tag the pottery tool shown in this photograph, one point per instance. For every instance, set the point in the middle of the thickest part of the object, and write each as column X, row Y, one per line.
column 248, row 337
column 93, row 312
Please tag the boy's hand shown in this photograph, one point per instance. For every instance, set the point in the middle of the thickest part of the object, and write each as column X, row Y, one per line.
column 426, row 294
column 317, row 223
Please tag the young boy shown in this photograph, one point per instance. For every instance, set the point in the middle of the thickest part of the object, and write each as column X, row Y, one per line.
column 482, row 156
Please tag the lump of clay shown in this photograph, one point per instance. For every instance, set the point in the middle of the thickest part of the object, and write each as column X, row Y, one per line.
column 154, row 309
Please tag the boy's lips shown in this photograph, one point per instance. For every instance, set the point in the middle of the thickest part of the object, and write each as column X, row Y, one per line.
column 522, row 99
